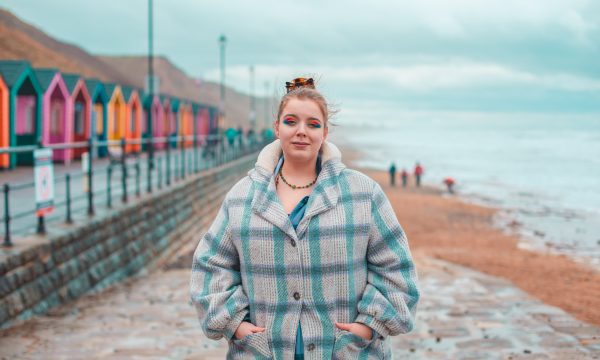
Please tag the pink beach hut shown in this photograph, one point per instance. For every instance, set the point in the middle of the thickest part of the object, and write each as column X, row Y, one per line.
column 154, row 128
column 168, row 118
column 56, row 112
column 81, row 111
column 24, row 109
column 4, row 126
column 201, row 122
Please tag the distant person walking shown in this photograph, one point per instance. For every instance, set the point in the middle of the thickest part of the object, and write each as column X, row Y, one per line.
column 449, row 184
column 393, row 174
column 404, row 175
column 418, row 173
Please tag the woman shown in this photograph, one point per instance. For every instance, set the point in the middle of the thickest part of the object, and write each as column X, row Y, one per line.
column 306, row 257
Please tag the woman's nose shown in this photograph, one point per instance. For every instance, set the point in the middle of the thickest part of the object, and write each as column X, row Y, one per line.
column 301, row 128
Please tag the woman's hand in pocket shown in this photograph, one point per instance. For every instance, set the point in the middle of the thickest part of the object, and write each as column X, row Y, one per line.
column 358, row 329
column 246, row 329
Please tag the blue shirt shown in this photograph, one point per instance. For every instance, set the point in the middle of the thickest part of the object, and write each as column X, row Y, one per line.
column 295, row 217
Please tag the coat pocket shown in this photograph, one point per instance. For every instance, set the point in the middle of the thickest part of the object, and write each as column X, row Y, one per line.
column 349, row 346
column 256, row 344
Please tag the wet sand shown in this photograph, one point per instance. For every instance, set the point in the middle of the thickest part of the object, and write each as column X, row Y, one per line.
column 447, row 228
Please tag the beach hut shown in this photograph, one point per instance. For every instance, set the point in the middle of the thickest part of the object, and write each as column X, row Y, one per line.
column 133, row 118
column 99, row 118
column 117, row 113
column 201, row 121
column 81, row 112
column 213, row 121
column 174, row 121
column 56, row 112
column 167, row 118
column 186, row 122
column 4, row 135
column 154, row 128
column 171, row 110
column 24, row 108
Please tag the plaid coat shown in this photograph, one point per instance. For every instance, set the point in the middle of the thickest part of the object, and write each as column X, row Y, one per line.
column 348, row 261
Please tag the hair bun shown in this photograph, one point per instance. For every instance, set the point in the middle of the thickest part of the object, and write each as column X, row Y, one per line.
column 298, row 83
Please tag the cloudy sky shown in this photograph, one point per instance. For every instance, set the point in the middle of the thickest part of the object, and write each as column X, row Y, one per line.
column 508, row 56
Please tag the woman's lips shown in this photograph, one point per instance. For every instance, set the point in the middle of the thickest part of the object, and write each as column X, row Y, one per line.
column 300, row 144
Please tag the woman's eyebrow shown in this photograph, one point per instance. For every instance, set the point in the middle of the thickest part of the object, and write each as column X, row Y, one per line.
column 292, row 115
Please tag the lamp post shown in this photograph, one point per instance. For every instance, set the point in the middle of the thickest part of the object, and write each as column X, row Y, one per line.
column 149, row 123
column 221, row 123
column 252, row 101
column 267, row 117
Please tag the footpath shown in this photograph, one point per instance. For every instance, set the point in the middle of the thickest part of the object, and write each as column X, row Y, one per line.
column 463, row 315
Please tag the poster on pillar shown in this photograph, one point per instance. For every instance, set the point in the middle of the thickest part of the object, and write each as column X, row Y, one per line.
column 43, row 172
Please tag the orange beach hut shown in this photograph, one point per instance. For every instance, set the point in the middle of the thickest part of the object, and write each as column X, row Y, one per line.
column 133, row 118
column 116, row 112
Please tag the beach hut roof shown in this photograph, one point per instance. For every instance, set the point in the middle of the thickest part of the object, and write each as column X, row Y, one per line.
column 175, row 104
column 12, row 71
column 198, row 106
column 45, row 77
column 96, row 88
column 110, row 88
column 147, row 99
column 127, row 92
column 71, row 81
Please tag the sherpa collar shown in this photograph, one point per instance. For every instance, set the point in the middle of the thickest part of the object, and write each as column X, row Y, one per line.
column 323, row 197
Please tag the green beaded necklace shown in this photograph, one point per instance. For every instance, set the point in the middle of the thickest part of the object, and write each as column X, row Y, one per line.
column 294, row 187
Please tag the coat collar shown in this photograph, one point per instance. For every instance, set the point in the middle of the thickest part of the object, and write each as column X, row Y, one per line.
column 323, row 197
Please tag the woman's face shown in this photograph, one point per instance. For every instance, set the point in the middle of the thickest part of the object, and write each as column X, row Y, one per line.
column 301, row 129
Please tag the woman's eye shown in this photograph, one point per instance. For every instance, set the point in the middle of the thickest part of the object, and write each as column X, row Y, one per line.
column 289, row 121
column 314, row 125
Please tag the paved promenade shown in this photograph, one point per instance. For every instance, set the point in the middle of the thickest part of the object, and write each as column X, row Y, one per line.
column 463, row 315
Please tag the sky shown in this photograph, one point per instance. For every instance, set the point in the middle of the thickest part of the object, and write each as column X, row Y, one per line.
column 388, row 57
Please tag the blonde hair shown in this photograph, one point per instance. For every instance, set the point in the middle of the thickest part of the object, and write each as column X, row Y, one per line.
column 310, row 94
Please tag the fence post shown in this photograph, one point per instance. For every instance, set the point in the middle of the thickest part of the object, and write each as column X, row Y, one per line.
column 182, row 170
column 150, row 161
column 41, row 227
column 7, row 241
column 159, row 162
column 137, row 178
column 195, row 153
column 168, row 174
column 108, row 186
column 68, row 182
column 123, row 171
column 90, row 173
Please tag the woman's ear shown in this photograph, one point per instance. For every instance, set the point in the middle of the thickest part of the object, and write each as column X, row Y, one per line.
column 276, row 126
column 325, row 132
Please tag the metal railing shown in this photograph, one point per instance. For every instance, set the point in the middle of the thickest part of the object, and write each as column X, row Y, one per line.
column 85, row 192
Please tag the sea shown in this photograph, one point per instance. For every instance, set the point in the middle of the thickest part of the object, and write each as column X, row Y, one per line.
column 542, row 171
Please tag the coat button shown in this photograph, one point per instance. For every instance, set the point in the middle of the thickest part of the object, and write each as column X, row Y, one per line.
column 293, row 243
column 296, row 296
column 311, row 347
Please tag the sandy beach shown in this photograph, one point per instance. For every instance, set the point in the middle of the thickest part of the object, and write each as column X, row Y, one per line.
column 445, row 227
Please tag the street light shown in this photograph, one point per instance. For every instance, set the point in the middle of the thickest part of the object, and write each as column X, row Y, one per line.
column 267, row 117
column 221, row 122
column 149, row 123
column 252, row 101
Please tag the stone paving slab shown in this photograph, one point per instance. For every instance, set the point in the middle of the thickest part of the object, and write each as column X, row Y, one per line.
column 463, row 315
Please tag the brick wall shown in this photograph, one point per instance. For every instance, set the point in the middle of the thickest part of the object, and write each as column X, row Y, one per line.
column 141, row 235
